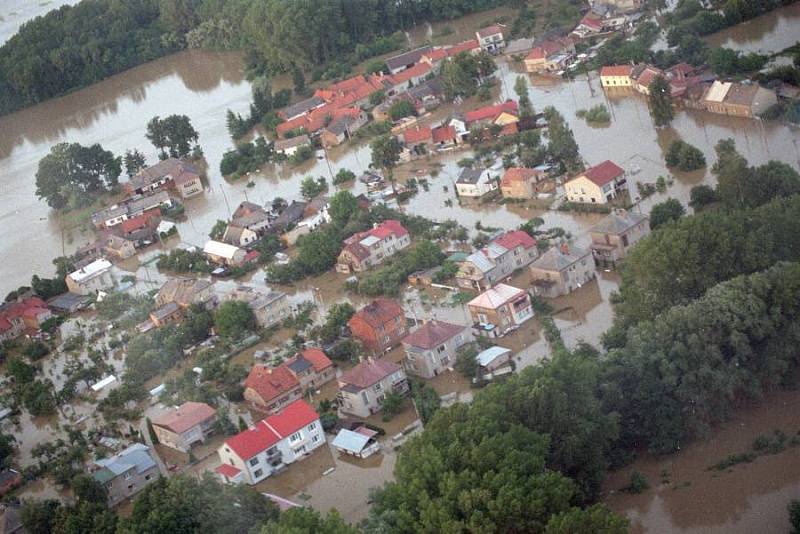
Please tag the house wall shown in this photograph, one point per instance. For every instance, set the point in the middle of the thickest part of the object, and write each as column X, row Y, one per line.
column 381, row 338
column 130, row 483
column 91, row 285
column 272, row 405
column 191, row 188
column 565, row 281
column 274, row 313
column 184, row 441
column 368, row 401
column 429, row 363
column 616, row 81
column 621, row 242
column 581, row 189
column 518, row 189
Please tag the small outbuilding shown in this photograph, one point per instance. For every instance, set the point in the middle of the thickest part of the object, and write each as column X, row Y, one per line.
column 360, row 442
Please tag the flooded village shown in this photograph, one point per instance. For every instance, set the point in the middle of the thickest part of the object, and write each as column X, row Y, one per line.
column 310, row 395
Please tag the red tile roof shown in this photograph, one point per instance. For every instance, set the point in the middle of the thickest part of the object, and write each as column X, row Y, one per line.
column 603, row 173
column 616, row 70
column 432, row 334
column 368, row 372
column 420, row 69
column 270, row 383
column 436, row 54
column 186, row 416
column 491, row 112
column 545, row 50
column 137, row 223
column 443, row 134
column 379, row 312
column 227, row 470
column 317, row 358
column 5, row 324
column 514, row 239
column 414, row 136
column 592, row 22
column 518, row 174
column 490, row 30
column 31, row 308
column 271, row 430
column 648, row 75
column 466, row 46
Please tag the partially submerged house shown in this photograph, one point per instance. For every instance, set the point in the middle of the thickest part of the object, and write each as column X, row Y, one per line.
column 616, row 234
column 432, row 348
column 94, row 277
column 520, row 183
column 597, row 185
column 271, row 388
column 269, row 307
column 498, row 260
column 500, row 309
column 224, row 254
column 271, row 445
column 561, row 270
column 126, row 473
column 475, row 183
column 363, row 388
column 361, row 442
column 367, row 249
column 171, row 173
column 182, row 426
column 379, row 326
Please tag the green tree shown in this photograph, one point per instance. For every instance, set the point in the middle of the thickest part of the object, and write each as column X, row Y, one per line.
column 218, row 230
column 87, row 489
column 684, row 156
column 134, row 162
column 701, row 196
column 342, row 207
column 343, row 176
column 311, row 187
column 173, row 136
column 660, row 100
column 596, row 519
column 38, row 516
column 457, row 80
column 794, row 515
column 233, row 318
column 72, row 175
column 521, row 88
column 335, row 320
column 386, row 151
column 179, row 16
column 562, row 146
column 401, row 109
column 664, row 212
column 151, row 431
column 306, row 520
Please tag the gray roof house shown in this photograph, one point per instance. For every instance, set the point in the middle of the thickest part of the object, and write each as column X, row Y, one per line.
column 126, row 473
column 406, row 60
column 616, row 234
column 561, row 270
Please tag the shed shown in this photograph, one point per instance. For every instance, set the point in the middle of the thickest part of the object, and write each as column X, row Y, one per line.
column 359, row 442
column 110, row 379
column 493, row 357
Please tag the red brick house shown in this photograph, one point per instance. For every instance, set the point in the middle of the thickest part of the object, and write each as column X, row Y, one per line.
column 379, row 325
column 271, row 388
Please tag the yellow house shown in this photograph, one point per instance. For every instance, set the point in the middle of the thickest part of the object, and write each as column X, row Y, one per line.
column 597, row 185
column 616, row 76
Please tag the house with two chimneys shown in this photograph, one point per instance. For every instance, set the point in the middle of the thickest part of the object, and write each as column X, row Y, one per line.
column 172, row 173
column 499, row 309
column 561, row 270
column 432, row 348
column 379, row 326
column 271, row 445
column 182, row 426
column 498, row 260
column 269, row 389
column 363, row 388
column 613, row 237
column 364, row 250
column 597, row 185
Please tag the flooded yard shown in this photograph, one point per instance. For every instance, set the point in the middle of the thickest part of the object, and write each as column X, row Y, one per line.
column 686, row 497
column 767, row 34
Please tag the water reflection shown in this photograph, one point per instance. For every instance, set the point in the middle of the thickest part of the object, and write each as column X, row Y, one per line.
column 766, row 34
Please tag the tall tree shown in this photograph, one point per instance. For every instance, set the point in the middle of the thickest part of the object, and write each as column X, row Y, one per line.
column 134, row 162
column 173, row 135
column 521, row 88
column 386, row 151
column 72, row 175
column 660, row 101
column 562, row 145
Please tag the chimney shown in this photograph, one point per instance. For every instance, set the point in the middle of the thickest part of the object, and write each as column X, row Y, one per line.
column 564, row 248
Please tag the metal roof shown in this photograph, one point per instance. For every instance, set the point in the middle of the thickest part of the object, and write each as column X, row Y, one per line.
column 489, row 355
column 350, row 441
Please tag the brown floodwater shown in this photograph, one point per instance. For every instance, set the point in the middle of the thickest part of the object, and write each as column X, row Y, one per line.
column 14, row 13
column 767, row 34
column 686, row 497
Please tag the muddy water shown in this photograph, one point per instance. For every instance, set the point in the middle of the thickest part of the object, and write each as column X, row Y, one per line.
column 766, row 34
column 14, row 13
column 745, row 499
column 455, row 31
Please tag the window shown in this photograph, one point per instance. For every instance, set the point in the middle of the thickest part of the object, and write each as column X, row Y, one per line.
column 257, row 473
column 254, row 460
column 128, row 475
column 624, row 241
column 315, row 438
column 295, row 437
column 378, row 386
column 148, row 477
column 312, row 426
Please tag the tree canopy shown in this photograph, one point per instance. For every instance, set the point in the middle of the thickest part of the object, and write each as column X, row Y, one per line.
column 72, row 175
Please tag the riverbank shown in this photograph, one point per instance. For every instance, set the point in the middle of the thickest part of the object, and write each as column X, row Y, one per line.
column 685, row 496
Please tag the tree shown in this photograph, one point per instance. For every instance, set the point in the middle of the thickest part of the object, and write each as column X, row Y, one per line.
column 335, row 320
column 664, row 212
column 233, row 318
column 38, row 516
column 794, row 515
column 299, row 81
column 343, row 176
column 218, row 230
column 151, row 431
column 386, row 151
column 521, row 88
column 305, row 520
column 86, row 488
column 701, row 196
column 72, row 175
column 391, row 405
column 311, row 187
column 596, row 519
column 134, row 162
column 684, row 156
column 562, row 145
column 173, row 135
column 6, row 449
column 660, row 101
column 457, row 80
column 401, row 109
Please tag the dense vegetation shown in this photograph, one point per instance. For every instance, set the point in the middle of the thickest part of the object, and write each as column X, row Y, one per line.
column 684, row 157
column 75, row 46
column 72, row 175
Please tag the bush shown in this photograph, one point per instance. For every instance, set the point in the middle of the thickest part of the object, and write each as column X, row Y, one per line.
column 401, row 109
column 598, row 113
column 684, row 156
column 343, row 176
column 794, row 516
column 664, row 212
column 702, row 195
column 638, row 483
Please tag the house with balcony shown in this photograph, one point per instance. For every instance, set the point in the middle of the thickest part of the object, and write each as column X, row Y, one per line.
column 270, row 389
column 367, row 249
column 379, row 326
column 363, row 388
column 497, row 260
column 271, row 445
column 499, row 309
column 613, row 237
column 561, row 270
column 597, row 185
column 491, row 38
column 182, row 426
column 432, row 348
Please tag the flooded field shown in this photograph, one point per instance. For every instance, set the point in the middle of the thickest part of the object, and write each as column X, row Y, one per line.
column 686, row 497
column 767, row 34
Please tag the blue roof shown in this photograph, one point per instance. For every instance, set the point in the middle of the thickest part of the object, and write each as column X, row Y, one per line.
column 350, row 441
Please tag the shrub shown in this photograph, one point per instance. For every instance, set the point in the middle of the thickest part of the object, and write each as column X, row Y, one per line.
column 684, row 156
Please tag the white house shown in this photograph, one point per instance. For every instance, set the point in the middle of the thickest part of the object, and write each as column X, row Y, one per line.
column 271, row 444
column 91, row 278
column 491, row 38
column 223, row 253
column 476, row 183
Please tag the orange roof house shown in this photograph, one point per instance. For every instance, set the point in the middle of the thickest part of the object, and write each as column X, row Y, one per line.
column 271, row 388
